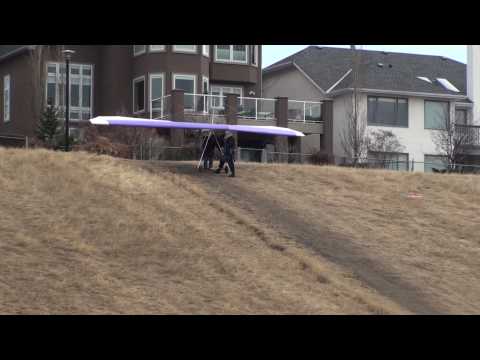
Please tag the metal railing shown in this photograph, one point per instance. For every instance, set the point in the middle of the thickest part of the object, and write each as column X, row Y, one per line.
column 161, row 108
column 256, row 108
column 304, row 111
column 204, row 103
column 471, row 133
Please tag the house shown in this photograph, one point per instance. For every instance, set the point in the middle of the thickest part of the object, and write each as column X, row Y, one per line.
column 413, row 96
column 128, row 80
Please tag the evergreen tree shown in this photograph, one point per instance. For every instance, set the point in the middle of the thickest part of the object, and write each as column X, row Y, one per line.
column 47, row 129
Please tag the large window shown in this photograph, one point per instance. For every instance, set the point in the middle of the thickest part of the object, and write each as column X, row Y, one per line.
column 461, row 117
column 156, row 91
column 231, row 53
column 81, row 89
column 187, row 83
column 386, row 111
column 221, row 91
column 139, row 49
column 388, row 160
column 437, row 115
column 185, row 48
column 139, row 94
column 436, row 162
column 6, row 98
column 157, row 48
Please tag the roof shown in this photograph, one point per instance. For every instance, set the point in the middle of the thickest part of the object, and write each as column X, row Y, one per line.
column 379, row 70
column 8, row 50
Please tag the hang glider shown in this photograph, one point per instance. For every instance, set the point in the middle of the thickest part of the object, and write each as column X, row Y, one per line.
column 167, row 124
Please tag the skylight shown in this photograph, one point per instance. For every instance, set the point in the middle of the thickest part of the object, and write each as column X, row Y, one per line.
column 447, row 85
column 424, row 79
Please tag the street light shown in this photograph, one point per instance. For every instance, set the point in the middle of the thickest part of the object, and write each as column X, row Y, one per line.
column 68, row 56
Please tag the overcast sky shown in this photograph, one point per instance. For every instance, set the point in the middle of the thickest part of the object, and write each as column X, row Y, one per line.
column 273, row 53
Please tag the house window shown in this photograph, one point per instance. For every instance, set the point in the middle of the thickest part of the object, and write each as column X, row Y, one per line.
column 139, row 94
column 461, row 117
column 437, row 115
column 156, row 91
column 206, row 50
column 157, row 48
column 231, row 53
column 188, row 84
column 254, row 55
column 81, row 89
column 437, row 162
column 139, row 49
column 205, row 85
column 185, row 48
column 6, row 98
column 220, row 92
column 385, row 111
column 388, row 160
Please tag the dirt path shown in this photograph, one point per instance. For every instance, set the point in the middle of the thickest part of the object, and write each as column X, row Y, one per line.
column 339, row 250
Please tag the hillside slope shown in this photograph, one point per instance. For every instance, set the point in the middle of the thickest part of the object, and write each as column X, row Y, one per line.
column 82, row 233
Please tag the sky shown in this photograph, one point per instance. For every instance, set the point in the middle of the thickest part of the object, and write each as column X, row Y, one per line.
column 274, row 53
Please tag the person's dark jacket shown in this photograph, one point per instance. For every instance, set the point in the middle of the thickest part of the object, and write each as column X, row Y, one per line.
column 229, row 147
column 210, row 147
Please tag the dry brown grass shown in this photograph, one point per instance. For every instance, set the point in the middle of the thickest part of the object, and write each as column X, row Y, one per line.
column 91, row 234
column 432, row 243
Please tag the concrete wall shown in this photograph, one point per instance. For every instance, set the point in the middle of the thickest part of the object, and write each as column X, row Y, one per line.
column 290, row 83
column 417, row 140
column 473, row 80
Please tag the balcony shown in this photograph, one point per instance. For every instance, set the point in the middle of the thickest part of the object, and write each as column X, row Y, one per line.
column 304, row 116
column 471, row 133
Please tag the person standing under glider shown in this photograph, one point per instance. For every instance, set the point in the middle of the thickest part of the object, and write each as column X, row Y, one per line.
column 228, row 154
column 209, row 151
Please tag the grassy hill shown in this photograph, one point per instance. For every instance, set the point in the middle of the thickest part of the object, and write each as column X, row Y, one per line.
column 81, row 233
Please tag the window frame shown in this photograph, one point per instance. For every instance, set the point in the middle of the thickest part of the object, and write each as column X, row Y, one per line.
column 222, row 94
column 434, row 156
column 255, row 55
column 135, row 53
column 187, row 77
column 156, row 50
column 136, row 80
column 206, row 50
column 184, row 51
column 151, row 77
column 208, row 84
column 59, row 103
column 231, row 61
column 465, row 111
column 447, row 123
column 396, row 98
column 7, row 98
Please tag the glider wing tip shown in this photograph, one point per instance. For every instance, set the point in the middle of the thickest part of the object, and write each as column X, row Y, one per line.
column 99, row 121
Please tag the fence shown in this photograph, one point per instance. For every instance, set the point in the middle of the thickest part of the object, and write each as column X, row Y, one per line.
column 304, row 111
column 411, row 166
column 256, row 108
column 14, row 141
column 471, row 133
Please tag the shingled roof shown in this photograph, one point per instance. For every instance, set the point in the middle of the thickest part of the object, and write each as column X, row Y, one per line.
column 379, row 70
column 7, row 50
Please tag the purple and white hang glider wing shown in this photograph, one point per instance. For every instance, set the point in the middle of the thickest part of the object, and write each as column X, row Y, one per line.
column 149, row 123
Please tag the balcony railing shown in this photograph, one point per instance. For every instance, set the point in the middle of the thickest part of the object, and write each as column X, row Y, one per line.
column 471, row 133
column 304, row 111
column 256, row 108
column 161, row 108
column 205, row 104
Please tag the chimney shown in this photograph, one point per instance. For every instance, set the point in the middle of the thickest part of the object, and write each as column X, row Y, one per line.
column 473, row 79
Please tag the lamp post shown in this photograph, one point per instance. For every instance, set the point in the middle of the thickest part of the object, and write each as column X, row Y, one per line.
column 68, row 56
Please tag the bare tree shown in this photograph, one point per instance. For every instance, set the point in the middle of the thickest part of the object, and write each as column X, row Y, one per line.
column 353, row 136
column 450, row 140
column 384, row 141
